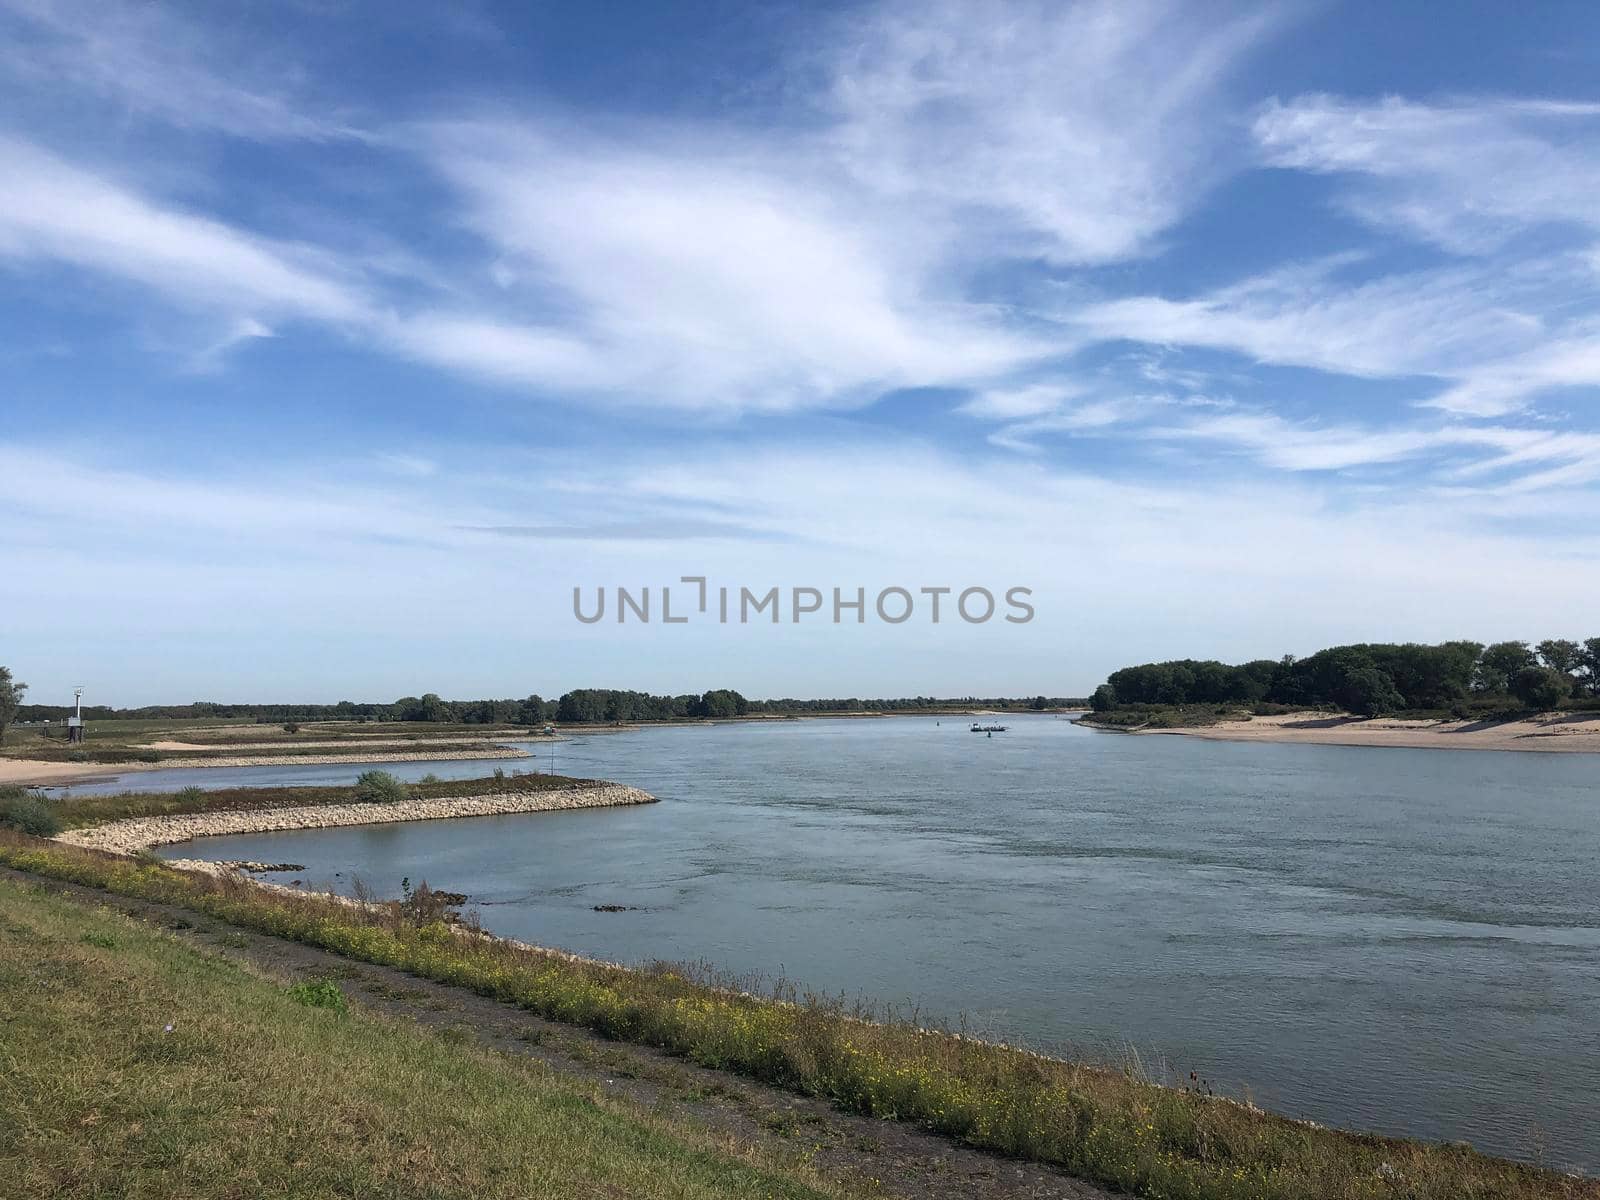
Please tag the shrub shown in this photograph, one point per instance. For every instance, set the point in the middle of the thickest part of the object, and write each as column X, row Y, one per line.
column 423, row 906
column 291, row 726
column 30, row 813
column 380, row 787
column 320, row 993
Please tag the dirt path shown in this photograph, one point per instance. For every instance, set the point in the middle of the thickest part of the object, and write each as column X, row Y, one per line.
column 905, row 1161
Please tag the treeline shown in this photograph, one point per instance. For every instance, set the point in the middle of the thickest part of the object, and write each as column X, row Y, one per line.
column 1370, row 679
column 582, row 706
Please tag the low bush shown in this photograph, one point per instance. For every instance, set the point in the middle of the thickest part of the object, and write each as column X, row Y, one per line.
column 380, row 787
column 29, row 813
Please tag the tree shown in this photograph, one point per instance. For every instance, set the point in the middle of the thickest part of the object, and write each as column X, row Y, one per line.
column 1540, row 688
column 1590, row 663
column 723, row 703
column 1560, row 654
column 1500, row 663
column 1104, row 698
column 1369, row 692
column 584, row 706
column 10, row 699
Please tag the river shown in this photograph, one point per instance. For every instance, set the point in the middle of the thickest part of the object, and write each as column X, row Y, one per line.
column 1397, row 940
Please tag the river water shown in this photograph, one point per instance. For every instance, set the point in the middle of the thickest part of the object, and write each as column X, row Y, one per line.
column 1396, row 940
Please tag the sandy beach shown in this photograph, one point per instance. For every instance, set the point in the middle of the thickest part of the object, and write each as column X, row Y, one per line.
column 1571, row 732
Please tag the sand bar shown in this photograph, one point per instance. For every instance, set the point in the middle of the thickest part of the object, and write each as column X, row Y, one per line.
column 1570, row 732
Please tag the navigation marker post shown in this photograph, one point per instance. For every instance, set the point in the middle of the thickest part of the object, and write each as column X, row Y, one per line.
column 75, row 722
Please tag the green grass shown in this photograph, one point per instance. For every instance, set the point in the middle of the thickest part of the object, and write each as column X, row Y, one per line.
column 78, row 812
column 1101, row 1125
column 252, row 1093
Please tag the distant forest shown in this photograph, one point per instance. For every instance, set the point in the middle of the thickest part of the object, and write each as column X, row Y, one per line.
column 1370, row 679
column 584, row 706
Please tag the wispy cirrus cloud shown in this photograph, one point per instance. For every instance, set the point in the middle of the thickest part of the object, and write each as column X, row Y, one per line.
column 1080, row 133
column 691, row 264
column 57, row 212
column 670, row 270
column 1480, row 339
column 1468, row 175
column 145, row 59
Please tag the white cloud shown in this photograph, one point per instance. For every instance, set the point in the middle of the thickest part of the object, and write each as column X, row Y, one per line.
column 1469, row 175
column 1490, row 335
column 1077, row 132
column 692, row 265
column 678, row 272
column 1010, row 404
column 51, row 210
column 144, row 59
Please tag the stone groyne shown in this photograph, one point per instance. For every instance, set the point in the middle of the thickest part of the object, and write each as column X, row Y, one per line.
column 142, row 833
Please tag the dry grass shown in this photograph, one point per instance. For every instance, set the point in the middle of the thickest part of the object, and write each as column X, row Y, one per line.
column 1101, row 1125
column 133, row 1066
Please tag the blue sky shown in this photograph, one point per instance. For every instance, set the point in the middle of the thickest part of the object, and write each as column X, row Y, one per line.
column 340, row 341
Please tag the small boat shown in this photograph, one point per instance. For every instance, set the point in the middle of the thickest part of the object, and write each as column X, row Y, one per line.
column 977, row 728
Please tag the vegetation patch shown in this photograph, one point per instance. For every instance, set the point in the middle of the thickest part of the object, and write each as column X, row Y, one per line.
column 319, row 993
column 28, row 812
column 380, row 787
column 1098, row 1124
column 166, row 1072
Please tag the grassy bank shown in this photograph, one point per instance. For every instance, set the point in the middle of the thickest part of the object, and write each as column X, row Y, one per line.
column 135, row 1066
column 1097, row 1124
column 82, row 812
column 46, row 751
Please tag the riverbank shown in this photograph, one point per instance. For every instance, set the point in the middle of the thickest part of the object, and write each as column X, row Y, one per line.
column 147, row 1076
column 22, row 772
column 136, row 834
column 1560, row 732
column 1101, row 1125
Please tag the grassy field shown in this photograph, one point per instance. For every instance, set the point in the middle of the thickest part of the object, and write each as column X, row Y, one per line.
column 1100, row 1125
column 134, row 1066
